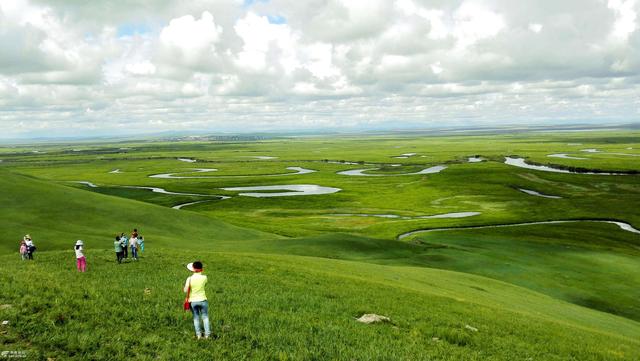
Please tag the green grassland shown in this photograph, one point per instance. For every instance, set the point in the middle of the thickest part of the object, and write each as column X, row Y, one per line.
column 487, row 187
column 291, row 273
column 292, row 308
column 596, row 270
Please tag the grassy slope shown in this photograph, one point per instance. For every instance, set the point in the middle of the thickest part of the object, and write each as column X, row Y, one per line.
column 56, row 215
column 291, row 308
column 595, row 265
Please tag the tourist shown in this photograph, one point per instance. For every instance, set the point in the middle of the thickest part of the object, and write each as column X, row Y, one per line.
column 197, row 298
column 31, row 247
column 134, row 233
column 80, row 259
column 23, row 250
column 133, row 243
column 141, row 243
column 118, row 247
column 125, row 244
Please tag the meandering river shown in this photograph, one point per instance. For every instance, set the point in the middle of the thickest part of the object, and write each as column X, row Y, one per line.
column 521, row 163
column 291, row 190
column 624, row 226
column 537, row 194
column 296, row 171
column 396, row 216
column 361, row 172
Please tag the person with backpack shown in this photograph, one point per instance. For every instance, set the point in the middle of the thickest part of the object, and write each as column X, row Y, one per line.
column 119, row 249
column 80, row 258
column 196, row 299
column 31, row 247
column 23, row 250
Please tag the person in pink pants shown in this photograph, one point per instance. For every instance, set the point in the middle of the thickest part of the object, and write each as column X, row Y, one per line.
column 81, row 260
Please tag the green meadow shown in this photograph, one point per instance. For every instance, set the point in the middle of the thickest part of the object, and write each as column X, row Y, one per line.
column 288, row 275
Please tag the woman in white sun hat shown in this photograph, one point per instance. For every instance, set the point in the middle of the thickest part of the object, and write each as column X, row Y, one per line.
column 80, row 259
column 197, row 298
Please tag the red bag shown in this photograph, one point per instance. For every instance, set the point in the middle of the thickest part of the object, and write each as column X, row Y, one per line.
column 187, row 304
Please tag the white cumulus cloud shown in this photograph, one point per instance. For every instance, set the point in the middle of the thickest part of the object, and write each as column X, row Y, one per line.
column 190, row 40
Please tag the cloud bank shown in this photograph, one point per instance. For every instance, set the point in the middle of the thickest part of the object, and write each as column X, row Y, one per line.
column 72, row 68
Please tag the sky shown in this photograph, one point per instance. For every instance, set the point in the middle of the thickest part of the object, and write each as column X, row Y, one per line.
column 74, row 67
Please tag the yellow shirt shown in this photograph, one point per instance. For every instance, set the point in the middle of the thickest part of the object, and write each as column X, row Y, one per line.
column 197, row 281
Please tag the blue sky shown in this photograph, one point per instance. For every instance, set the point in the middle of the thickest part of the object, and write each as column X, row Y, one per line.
column 133, row 29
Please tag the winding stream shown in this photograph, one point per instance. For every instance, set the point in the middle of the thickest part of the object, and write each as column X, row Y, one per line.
column 361, row 172
column 593, row 150
column 297, row 171
column 624, row 226
column 537, row 194
column 172, row 176
column 625, row 154
column 564, row 156
column 395, row 216
column 341, row 162
column 521, row 163
column 164, row 191
column 292, row 190
column 180, row 206
column 405, row 155
column 261, row 157
column 87, row 183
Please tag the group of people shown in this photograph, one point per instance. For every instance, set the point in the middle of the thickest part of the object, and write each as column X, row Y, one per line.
column 194, row 287
column 27, row 247
column 122, row 245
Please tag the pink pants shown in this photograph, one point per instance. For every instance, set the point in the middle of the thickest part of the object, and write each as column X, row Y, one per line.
column 82, row 264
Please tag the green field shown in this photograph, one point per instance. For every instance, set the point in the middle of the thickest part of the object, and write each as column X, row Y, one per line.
column 289, row 275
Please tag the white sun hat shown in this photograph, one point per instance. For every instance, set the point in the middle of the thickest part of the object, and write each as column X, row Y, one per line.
column 79, row 243
column 192, row 268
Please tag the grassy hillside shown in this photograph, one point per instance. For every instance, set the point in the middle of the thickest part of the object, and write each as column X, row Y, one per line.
column 290, row 308
column 56, row 215
column 590, row 264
